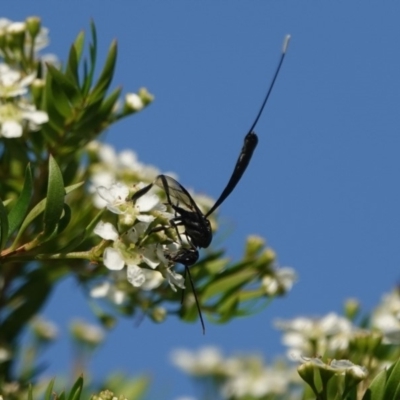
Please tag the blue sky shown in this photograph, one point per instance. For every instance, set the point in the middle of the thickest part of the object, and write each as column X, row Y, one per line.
column 322, row 187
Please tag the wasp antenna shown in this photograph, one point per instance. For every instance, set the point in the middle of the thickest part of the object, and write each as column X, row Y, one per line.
column 278, row 68
column 285, row 43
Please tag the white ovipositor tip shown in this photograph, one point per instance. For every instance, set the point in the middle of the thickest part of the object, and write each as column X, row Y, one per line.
column 285, row 43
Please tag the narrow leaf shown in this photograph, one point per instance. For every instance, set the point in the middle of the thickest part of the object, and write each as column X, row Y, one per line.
column 3, row 225
column 393, row 381
column 77, row 240
column 89, row 71
column 75, row 54
column 18, row 212
column 65, row 219
column 106, row 75
column 376, row 390
column 36, row 211
column 55, row 198
column 76, row 389
column 108, row 104
column 30, row 394
column 224, row 284
column 49, row 390
column 56, row 120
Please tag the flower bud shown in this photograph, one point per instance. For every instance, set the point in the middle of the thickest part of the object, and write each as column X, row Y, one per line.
column 254, row 244
column 86, row 333
column 33, row 25
column 3, row 39
column 306, row 372
column 16, row 35
column 45, row 331
column 351, row 309
column 37, row 88
column 158, row 314
column 145, row 96
column 133, row 103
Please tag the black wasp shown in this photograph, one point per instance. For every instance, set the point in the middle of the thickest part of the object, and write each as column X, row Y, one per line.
column 188, row 215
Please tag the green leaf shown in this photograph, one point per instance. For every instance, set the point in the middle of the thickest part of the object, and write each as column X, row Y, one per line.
column 73, row 187
column 397, row 393
column 50, row 134
column 76, row 390
column 36, row 211
column 30, row 394
column 106, row 75
column 65, row 219
column 79, row 43
column 27, row 300
column 108, row 104
column 49, row 390
column 3, row 226
column 77, row 240
column 18, row 212
column 64, row 90
column 223, row 284
column 56, row 120
column 227, row 307
column 55, row 198
column 376, row 390
column 75, row 55
column 89, row 74
column 393, row 382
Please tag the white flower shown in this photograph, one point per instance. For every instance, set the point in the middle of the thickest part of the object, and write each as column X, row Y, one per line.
column 135, row 275
column 256, row 384
column 11, row 82
column 4, row 22
column 44, row 329
column 13, row 117
column 115, row 197
column 106, row 289
column 16, row 27
column 153, row 279
column 106, row 230
column 86, row 332
column 146, row 202
column 308, row 336
column 128, row 159
column 41, row 40
column 175, row 279
column 203, row 362
column 113, row 259
column 347, row 365
column 386, row 317
column 5, row 354
column 282, row 279
column 134, row 102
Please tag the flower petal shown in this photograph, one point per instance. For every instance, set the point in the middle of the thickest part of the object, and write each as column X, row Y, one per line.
column 175, row 279
column 135, row 275
column 134, row 101
column 37, row 117
column 153, row 279
column 100, row 290
column 147, row 202
column 106, row 231
column 11, row 129
column 112, row 259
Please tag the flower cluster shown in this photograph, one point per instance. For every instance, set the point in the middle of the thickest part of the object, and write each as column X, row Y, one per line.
column 315, row 336
column 386, row 317
column 131, row 243
column 19, row 44
column 238, row 377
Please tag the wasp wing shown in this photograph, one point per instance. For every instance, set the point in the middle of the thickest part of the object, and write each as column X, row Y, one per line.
column 176, row 194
